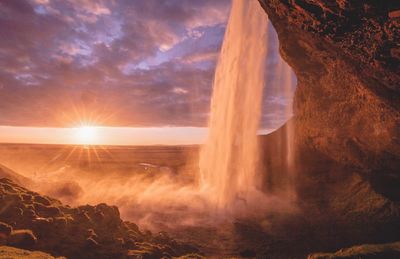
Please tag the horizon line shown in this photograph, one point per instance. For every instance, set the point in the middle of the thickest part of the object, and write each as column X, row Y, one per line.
column 108, row 135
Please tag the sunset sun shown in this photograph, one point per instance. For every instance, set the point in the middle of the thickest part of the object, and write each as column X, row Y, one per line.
column 86, row 135
column 199, row 129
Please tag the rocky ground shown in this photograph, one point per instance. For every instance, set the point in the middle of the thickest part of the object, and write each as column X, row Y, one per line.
column 382, row 251
column 336, row 208
column 31, row 221
column 12, row 252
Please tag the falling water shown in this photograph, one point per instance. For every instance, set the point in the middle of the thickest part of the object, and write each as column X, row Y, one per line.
column 285, row 80
column 228, row 161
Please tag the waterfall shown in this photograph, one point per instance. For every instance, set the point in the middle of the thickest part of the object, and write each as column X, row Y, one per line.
column 229, row 159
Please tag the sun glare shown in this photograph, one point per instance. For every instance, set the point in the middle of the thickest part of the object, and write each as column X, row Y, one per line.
column 86, row 135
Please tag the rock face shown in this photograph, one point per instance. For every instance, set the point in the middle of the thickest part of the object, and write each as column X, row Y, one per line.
column 384, row 251
column 337, row 207
column 15, row 253
column 346, row 55
column 32, row 221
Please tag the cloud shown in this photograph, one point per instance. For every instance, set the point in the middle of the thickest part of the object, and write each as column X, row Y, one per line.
column 43, row 2
column 59, row 52
column 195, row 57
column 126, row 63
column 179, row 90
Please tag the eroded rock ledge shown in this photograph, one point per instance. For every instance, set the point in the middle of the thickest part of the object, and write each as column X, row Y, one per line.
column 347, row 104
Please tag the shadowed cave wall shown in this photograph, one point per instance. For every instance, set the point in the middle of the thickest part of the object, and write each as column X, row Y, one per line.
column 346, row 123
column 346, row 56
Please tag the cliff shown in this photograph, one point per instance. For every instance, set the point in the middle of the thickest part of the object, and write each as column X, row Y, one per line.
column 346, row 56
column 346, row 123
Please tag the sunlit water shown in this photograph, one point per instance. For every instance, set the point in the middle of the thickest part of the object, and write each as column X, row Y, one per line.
column 229, row 167
column 229, row 159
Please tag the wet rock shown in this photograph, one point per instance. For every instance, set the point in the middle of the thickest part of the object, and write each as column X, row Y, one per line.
column 384, row 251
column 13, row 253
column 27, row 198
column 46, row 211
column 60, row 221
column 43, row 225
column 120, row 241
column 131, row 226
column 110, row 214
column 13, row 213
column 191, row 256
column 9, row 188
column 161, row 237
column 130, row 243
column 29, row 213
column 99, row 216
column 145, row 254
column 92, row 243
column 5, row 229
column 13, row 198
column 91, row 233
column 22, row 238
column 83, row 216
column 42, row 200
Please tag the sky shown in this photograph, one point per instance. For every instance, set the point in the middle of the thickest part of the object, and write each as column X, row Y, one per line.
column 114, row 63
